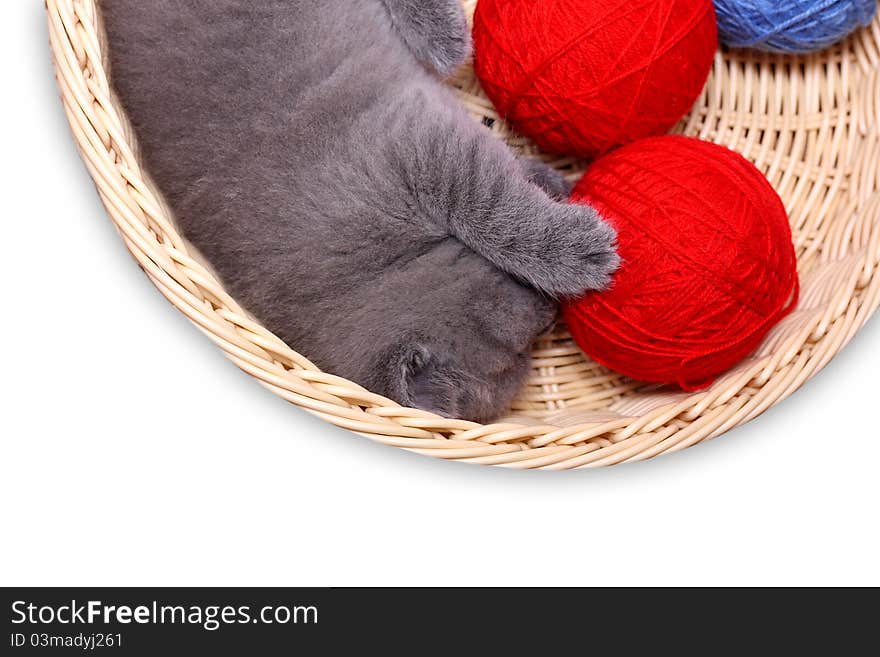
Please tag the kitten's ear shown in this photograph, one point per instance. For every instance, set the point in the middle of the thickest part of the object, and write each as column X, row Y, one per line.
column 427, row 386
column 436, row 31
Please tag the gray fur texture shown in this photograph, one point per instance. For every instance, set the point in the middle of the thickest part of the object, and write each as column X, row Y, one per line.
column 311, row 153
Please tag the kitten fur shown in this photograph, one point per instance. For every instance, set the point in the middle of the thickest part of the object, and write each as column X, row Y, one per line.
column 309, row 150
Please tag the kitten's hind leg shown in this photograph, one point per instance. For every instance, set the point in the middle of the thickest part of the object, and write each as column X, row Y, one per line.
column 546, row 177
column 436, row 31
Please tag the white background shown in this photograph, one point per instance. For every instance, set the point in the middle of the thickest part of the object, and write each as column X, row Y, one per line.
column 133, row 453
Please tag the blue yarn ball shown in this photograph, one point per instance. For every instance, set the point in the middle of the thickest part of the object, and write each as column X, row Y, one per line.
column 790, row 26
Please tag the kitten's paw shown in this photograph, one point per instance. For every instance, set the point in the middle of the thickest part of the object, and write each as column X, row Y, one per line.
column 436, row 31
column 579, row 255
column 451, row 45
column 546, row 177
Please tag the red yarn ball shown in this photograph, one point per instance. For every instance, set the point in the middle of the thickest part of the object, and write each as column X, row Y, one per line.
column 708, row 262
column 583, row 76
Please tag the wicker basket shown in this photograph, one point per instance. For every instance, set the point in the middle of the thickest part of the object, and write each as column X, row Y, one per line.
column 809, row 123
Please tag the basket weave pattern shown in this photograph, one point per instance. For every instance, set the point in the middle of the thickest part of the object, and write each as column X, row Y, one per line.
column 809, row 123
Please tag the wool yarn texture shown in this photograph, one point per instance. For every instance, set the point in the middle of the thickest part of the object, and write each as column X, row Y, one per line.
column 581, row 77
column 790, row 26
column 709, row 266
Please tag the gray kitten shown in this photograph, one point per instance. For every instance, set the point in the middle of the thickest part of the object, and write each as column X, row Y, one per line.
column 345, row 198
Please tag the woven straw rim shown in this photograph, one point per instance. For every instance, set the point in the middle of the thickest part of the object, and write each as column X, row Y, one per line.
column 809, row 123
